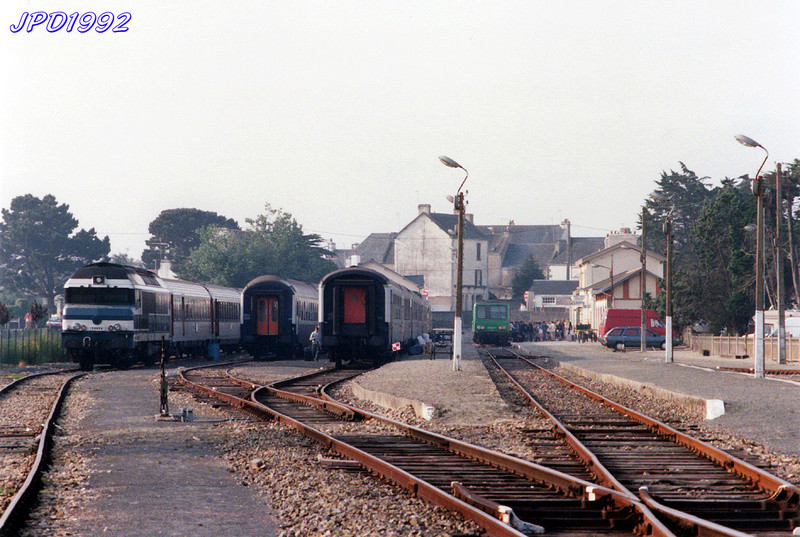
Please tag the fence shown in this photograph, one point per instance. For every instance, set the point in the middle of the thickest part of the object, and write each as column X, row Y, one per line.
column 735, row 346
column 33, row 346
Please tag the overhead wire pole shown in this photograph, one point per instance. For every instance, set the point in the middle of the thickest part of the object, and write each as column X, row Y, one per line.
column 459, row 207
column 667, row 229
column 668, row 357
column 758, row 191
column 643, row 285
column 779, row 293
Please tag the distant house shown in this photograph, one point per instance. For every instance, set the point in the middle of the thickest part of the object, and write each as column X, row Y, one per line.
column 552, row 247
column 549, row 300
column 377, row 247
column 611, row 278
column 425, row 249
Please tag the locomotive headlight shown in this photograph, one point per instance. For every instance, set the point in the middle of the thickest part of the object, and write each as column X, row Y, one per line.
column 76, row 326
column 117, row 326
column 111, row 328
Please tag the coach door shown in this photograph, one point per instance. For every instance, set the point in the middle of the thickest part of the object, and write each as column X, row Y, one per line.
column 268, row 316
column 355, row 305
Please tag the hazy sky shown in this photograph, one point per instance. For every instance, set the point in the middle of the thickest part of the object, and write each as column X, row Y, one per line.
column 337, row 111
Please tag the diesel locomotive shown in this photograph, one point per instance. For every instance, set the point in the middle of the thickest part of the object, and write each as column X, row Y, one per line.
column 119, row 315
column 366, row 315
column 491, row 323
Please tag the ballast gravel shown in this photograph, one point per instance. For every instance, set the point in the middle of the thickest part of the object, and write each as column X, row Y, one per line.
column 312, row 499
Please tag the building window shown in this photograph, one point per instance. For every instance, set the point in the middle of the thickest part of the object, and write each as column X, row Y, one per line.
column 478, row 278
column 478, row 252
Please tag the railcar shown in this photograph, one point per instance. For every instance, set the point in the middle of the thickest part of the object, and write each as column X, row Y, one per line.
column 119, row 315
column 367, row 315
column 491, row 322
column 278, row 316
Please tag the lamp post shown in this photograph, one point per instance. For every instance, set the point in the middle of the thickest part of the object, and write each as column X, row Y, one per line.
column 758, row 191
column 611, row 277
column 458, row 206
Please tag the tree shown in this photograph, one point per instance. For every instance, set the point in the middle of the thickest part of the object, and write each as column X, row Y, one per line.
column 176, row 232
column 38, row 312
column 524, row 277
column 124, row 259
column 682, row 196
column 39, row 248
column 5, row 315
column 274, row 243
column 721, row 285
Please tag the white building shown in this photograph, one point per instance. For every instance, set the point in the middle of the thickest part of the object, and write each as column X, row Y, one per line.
column 425, row 250
column 611, row 278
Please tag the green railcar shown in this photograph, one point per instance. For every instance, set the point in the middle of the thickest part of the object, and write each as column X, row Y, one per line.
column 491, row 323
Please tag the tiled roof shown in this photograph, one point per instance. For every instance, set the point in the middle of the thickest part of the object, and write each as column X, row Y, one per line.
column 448, row 223
column 581, row 247
column 377, row 247
column 554, row 287
column 548, row 234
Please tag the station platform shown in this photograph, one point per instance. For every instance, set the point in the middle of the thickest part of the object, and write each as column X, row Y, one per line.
column 765, row 411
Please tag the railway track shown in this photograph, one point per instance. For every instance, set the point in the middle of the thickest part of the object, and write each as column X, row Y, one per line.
column 671, row 472
column 29, row 407
column 504, row 495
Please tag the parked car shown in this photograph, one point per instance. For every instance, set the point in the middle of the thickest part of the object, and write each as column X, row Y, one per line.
column 630, row 336
column 54, row 321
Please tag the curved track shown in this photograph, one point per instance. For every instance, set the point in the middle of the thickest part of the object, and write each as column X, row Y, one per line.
column 29, row 408
column 502, row 494
column 672, row 472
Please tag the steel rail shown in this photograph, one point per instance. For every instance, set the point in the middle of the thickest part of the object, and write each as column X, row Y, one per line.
column 19, row 505
column 695, row 525
column 564, row 483
column 13, row 384
column 590, row 460
column 782, row 490
column 648, row 524
column 419, row 488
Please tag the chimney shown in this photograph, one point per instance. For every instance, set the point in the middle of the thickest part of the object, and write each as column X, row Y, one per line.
column 424, row 208
column 469, row 217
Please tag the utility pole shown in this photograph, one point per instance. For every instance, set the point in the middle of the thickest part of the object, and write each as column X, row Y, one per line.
column 642, row 285
column 668, row 358
column 779, row 267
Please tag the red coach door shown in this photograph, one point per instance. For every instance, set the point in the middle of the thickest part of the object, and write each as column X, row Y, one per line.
column 267, row 322
column 355, row 305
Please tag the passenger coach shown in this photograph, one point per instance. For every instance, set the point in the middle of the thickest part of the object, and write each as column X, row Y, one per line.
column 119, row 314
column 278, row 316
column 367, row 315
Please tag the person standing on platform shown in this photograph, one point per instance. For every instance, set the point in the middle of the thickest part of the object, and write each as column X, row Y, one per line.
column 316, row 339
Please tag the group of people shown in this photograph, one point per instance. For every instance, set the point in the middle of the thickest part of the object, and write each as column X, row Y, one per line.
column 557, row 330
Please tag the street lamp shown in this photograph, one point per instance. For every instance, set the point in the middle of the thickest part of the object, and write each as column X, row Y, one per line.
column 667, row 228
column 458, row 206
column 611, row 277
column 758, row 191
